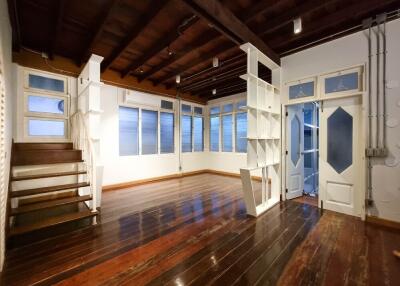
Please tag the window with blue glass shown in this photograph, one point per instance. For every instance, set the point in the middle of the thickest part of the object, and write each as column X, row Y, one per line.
column 43, row 127
column 198, row 130
column 46, row 83
column 149, row 132
column 186, row 108
column 44, row 104
column 166, row 132
column 128, row 131
column 214, row 133
column 227, row 133
column 341, row 83
column 241, row 132
column 186, row 129
column 301, row 90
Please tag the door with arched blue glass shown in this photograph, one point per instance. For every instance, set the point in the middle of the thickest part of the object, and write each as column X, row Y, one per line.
column 341, row 155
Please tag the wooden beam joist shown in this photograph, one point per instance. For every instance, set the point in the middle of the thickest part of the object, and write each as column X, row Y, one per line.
column 16, row 29
column 105, row 16
column 57, row 28
column 258, row 8
column 155, row 7
column 229, row 25
column 161, row 45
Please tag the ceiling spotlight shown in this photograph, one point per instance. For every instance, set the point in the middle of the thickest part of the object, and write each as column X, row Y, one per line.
column 170, row 53
column 141, row 70
column 215, row 62
column 297, row 25
column 214, row 91
column 178, row 79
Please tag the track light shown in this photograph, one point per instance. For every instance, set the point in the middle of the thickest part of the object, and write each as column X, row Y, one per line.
column 297, row 25
column 178, row 79
column 215, row 62
column 214, row 91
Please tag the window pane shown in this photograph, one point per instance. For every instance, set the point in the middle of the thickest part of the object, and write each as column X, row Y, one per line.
column 186, row 108
column 301, row 90
column 166, row 132
column 128, row 131
column 45, row 104
column 340, row 140
column 214, row 110
column 186, row 133
column 240, row 104
column 214, row 133
column 295, row 140
column 341, row 83
column 149, row 131
column 241, row 132
column 228, row 108
column 38, row 127
column 41, row 82
column 167, row 104
column 227, row 133
column 198, row 110
column 198, row 133
column 309, row 113
column 308, row 144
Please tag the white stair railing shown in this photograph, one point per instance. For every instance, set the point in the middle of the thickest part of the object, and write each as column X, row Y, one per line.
column 82, row 141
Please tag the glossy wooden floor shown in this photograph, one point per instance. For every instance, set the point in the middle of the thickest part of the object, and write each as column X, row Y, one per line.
column 194, row 231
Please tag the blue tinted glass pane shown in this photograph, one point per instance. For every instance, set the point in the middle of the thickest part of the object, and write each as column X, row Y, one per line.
column 214, row 110
column 149, row 131
column 307, row 138
column 228, row 108
column 295, row 140
column 241, row 104
column 128, row 131
column 340, row 140
column 301, row 90
column 186, row 133
column 241, row 132
column 198, row 134
column 45, row 128
column 198, row 110
column 214, row 133
column 308, row 113
column 41, row 82
column 166, row 132
column 341, row 83
column 45, row 104
column 227, row 133
column 186, row 108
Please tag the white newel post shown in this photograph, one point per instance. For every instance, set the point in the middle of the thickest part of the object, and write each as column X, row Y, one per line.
column 89, row 86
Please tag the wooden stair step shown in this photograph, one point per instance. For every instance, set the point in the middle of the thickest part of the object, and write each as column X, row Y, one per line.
column 49, row 175
column 53, row 221
column 43, row 146
column 29, row 192
column 49, row 204
column 40, row 157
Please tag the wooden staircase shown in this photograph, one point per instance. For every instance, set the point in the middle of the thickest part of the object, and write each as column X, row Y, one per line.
column 48, row 188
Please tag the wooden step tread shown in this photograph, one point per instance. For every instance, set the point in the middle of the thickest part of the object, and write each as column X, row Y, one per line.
column 29, row 192
column 43, row 146
column 48, row 204
column 53, row 221
column 49, row 175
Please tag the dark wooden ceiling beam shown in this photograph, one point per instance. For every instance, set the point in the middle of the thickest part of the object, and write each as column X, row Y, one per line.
column 228, row 24
column 258, row 8
column 57, row 28
column 105, row 16
column 16, row 28
column 155, row 7
column 199, row 60
column 161, row 44
column 228, row 92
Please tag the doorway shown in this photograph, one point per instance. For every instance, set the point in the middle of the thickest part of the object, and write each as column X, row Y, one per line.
column 302, row 126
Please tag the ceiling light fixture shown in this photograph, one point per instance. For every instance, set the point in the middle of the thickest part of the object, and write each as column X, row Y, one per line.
column 215, row 62
column 178, row 79
column 170, row 53
column 297, row 25
column 141, row 70
column 214, row 91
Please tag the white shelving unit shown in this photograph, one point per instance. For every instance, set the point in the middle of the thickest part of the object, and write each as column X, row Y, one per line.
column 263, row 132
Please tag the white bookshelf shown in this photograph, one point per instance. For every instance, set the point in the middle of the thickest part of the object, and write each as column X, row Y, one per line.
column 263, row 132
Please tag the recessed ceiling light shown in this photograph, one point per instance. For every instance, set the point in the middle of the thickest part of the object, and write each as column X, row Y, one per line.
column 297, row 25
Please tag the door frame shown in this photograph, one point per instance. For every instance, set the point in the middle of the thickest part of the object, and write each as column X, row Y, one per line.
column 361, row 155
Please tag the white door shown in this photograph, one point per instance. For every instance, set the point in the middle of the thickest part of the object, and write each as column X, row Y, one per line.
column 295, row 148
column 340, row 155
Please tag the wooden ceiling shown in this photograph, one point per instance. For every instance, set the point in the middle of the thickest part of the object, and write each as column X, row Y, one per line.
column 155, row 40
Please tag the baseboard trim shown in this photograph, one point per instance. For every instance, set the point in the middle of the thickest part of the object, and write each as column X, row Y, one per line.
column 383, row 222
column 169, row 177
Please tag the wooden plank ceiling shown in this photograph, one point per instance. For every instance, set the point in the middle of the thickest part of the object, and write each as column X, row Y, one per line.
column 155, row 40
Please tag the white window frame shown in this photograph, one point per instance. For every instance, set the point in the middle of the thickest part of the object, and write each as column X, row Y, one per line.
column 302, row 81
column 192, row 114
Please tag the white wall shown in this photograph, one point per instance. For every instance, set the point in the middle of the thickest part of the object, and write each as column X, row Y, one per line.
column 349, row 51
column 121, row 169
column 5, row 50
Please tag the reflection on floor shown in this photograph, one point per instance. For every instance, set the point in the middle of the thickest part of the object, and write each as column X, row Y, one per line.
column 195, row 231
column 307, row 200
